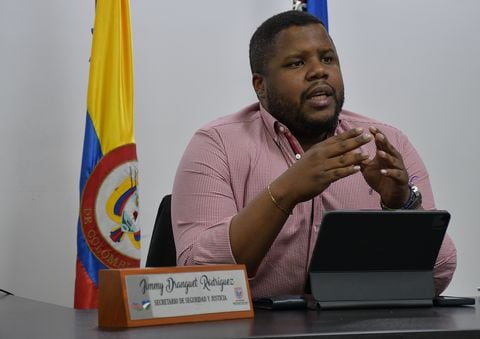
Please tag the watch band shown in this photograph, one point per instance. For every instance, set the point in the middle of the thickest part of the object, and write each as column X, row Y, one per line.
column 414, row 200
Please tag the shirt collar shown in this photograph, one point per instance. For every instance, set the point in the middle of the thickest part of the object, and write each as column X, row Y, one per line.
column 273, row 126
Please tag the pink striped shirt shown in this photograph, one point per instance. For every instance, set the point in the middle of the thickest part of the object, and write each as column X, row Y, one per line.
column 232, row 159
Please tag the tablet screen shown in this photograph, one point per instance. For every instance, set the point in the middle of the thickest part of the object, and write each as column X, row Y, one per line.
column 379, row 240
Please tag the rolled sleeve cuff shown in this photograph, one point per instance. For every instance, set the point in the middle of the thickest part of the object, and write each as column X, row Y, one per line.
column 212, row 246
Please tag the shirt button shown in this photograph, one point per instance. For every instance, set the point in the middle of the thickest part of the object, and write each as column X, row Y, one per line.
column 281, row 129
column 298, row 156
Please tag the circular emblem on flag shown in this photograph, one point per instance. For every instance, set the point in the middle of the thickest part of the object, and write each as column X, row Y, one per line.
column 109, row 209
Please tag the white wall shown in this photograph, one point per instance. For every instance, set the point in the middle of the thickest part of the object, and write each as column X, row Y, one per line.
column 410, row 63
column 415, row 65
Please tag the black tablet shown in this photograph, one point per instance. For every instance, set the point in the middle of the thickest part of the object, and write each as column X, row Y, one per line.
column 379, row 240
column 375, row 257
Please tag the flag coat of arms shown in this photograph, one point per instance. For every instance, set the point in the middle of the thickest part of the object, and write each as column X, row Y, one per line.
column 108, row 235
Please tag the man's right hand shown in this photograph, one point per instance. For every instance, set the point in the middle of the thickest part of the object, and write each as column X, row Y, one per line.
column 325, row 162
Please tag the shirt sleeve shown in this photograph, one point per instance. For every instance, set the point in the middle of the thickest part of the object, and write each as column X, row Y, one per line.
column 203, row 203
column 447, row 257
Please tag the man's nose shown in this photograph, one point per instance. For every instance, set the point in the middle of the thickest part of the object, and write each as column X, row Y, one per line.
column 316, row 70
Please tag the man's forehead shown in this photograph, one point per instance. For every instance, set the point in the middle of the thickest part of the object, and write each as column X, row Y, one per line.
column 304, row 36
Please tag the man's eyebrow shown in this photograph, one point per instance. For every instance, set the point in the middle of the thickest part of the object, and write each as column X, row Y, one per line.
column 294, row 55
column 329, row 50
column 301, row 53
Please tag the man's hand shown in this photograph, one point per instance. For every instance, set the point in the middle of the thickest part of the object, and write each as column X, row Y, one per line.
column 324, row 163
column 386, row 173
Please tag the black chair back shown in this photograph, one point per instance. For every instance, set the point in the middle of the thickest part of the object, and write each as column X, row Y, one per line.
column 162, row 250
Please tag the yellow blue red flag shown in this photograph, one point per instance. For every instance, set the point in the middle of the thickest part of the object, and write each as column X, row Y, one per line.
column 108, row 235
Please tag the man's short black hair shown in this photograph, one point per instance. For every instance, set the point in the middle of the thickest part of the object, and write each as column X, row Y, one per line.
column 262, row 42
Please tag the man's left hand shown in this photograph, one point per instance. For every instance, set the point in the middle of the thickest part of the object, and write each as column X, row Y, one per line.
column 386, row 173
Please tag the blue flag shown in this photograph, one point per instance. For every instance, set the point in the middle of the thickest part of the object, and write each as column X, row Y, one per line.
column 319, row 9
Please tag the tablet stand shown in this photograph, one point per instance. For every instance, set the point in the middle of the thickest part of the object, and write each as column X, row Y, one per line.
column 372, row 289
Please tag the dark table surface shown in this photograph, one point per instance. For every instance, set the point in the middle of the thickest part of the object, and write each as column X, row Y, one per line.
column 26, row 318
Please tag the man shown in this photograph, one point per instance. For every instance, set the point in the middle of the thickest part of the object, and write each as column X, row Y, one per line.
column 253, row 187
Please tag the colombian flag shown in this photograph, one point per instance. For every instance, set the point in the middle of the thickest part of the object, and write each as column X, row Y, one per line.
column 108, row 235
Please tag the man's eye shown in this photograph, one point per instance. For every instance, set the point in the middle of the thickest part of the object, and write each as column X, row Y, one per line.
column 295, row 64
column 327, row 60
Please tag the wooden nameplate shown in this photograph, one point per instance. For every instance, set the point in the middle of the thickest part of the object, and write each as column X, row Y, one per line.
column 170, row 295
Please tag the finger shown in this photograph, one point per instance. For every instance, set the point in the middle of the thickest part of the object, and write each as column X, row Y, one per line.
column 396, row 174
column 351, row 133
column 345, row 136
column 339, row 173
column 345, row 160
column 374, row 130
column 364, row 164
column 390, row 161
column 382, row 143
column 340, row 146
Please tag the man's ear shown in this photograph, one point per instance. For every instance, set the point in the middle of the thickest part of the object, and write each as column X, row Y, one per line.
column 258, row 83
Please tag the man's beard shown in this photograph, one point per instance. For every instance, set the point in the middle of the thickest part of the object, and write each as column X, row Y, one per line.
column 298, row 122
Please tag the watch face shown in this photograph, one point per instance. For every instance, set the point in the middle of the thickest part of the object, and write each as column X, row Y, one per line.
column 415, row 199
